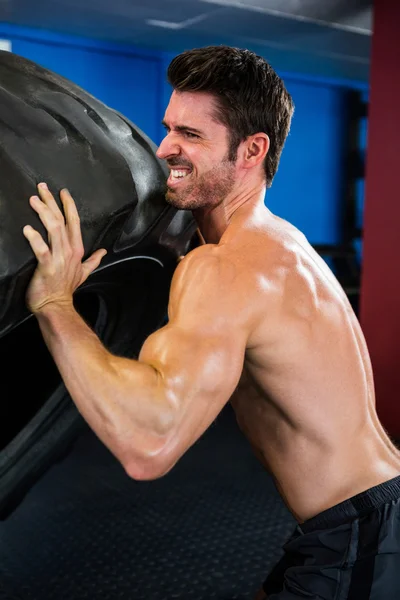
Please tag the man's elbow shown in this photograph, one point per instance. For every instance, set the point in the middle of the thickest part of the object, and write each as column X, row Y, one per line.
column 149, row 473
column 153, row 456
column 149, row 467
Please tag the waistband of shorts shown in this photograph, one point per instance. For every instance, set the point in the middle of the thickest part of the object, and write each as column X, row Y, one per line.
column 354, row 507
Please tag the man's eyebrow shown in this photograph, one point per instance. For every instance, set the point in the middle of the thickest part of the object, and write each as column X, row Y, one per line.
column 182, row 128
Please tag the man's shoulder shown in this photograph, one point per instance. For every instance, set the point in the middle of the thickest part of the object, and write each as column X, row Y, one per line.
column 221, row 286
column 233, row 277
column 207, row 264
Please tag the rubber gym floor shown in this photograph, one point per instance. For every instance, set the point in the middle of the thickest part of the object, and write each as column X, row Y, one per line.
column 210, row 529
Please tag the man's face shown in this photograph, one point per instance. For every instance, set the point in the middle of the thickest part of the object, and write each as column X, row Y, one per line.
column 196, row 151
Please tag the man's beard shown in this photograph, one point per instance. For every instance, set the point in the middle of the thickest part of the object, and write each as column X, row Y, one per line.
column 208, row 190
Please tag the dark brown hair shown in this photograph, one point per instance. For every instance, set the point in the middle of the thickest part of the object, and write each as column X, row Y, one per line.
column 250, row 96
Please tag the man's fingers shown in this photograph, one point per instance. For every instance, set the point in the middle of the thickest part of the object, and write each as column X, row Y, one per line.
column 91, row 263
column 70, row 210
column 47, row 197
column 54, row 224
column 57, row 228
column 72, row 218
column 38, row 245
column 52, row 216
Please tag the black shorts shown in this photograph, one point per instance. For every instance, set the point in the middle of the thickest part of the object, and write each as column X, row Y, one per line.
column 348, row 552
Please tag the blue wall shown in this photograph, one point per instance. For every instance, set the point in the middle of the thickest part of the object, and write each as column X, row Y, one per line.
column 308, row 187
column 308, row 184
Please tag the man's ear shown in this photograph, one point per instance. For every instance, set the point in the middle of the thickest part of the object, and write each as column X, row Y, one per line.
column 254, row 150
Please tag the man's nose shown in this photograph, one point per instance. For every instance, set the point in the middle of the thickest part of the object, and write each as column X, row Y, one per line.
column 167, row 148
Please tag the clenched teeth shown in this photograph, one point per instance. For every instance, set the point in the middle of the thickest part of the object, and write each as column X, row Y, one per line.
column 178, row 174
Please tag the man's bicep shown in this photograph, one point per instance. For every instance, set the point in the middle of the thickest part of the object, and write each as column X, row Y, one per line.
column 193, row 362
column 200, row 353
column 204, row 342
column 199, row 374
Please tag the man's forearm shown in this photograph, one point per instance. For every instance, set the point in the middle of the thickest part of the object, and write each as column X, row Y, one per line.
column 122, row 400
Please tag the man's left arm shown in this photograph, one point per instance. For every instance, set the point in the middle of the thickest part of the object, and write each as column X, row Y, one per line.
column 147, row 412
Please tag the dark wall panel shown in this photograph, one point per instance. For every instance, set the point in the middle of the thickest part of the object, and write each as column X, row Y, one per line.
column 380, row 297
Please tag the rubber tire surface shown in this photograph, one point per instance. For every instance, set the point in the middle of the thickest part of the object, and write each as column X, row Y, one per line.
column 52, row 130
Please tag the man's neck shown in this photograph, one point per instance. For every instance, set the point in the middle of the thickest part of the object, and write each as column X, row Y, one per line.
column 213, row 222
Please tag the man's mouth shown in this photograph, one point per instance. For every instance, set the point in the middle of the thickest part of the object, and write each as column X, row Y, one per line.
column 177, row 175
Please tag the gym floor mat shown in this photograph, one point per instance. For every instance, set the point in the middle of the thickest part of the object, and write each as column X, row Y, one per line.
column 209, row 529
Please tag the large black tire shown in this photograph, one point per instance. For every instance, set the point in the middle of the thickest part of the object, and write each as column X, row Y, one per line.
column 51, row 130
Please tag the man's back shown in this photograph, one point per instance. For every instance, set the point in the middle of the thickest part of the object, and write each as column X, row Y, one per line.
column 306, row 398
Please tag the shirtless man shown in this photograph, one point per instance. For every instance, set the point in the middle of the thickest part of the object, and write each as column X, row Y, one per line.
column 255, row 317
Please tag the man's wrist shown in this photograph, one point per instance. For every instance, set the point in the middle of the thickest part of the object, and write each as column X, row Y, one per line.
column 53, row 307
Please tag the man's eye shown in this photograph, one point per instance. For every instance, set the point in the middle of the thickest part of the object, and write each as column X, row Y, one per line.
column 189, row 134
